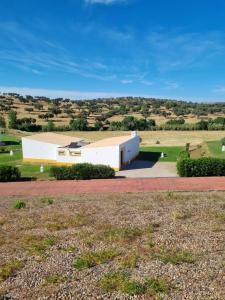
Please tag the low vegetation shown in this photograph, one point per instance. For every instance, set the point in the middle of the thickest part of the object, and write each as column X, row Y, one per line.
column 9, row 268
column 91, row 259
column 128, row 245
column 9, row 173
column 82, row 171
column 201, row 167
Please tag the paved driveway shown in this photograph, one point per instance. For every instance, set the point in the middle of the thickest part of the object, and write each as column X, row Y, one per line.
column 148, row 169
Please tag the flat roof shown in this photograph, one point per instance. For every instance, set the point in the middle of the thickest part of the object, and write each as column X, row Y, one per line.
column 113, row 141
column 54, row 138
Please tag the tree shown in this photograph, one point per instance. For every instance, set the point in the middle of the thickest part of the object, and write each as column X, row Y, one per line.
column 13, row 122
column 79, row 124
column 129, row 123
column 49, row 127
column 2, row 122
column 98, row 125
column 55, row 110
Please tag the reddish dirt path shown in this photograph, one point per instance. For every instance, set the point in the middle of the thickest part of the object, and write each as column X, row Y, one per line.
column 111, row 185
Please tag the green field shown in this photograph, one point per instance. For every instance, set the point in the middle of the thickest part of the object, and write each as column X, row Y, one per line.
column 215, row 149
column 27, row 170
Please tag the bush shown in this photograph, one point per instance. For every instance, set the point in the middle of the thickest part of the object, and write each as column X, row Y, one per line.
column 82, row 171
column 205, row 166
column 9, row 173
column 19, row 204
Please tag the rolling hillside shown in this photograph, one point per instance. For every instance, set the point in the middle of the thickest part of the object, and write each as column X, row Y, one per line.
column 105, row 111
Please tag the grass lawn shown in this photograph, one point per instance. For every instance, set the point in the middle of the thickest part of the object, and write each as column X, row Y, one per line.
column 27, row 170
column 215, row 148
column 154, row 153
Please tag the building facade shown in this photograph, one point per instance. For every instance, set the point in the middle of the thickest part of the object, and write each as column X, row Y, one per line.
column 64, row 150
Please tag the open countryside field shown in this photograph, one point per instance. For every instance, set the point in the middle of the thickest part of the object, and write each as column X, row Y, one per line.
column 149, row 138
column 113, row 246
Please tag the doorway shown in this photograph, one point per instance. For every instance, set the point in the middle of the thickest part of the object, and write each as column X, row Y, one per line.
column 121, row 158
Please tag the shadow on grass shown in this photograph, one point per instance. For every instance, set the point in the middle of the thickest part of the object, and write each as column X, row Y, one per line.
column 22, row 179
column 149, row 156
column 27, row 179
column 10, row 143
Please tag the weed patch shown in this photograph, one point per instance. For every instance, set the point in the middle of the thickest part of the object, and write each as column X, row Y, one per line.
column 129, row 261
column 91, row 259
column 121, row 282
column 19, row 204
column 38, row 245
column 9, row 269
column 174, row 256
column 54, row 279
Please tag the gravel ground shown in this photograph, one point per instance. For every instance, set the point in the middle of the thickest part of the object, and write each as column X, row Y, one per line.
column 176, row 238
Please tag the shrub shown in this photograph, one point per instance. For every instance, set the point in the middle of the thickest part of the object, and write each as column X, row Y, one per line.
column 205, row 166
column 82, row 171
column 19, row 204
column 9, row 173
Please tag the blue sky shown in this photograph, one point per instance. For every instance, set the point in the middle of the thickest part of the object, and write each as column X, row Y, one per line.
column 94, row 48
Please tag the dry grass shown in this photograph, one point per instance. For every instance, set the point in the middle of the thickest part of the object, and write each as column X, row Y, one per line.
column 152, row 245
column 63, row 119
column 149, row 138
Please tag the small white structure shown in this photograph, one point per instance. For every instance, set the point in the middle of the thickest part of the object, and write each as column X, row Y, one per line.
column 41, row 169
column 67, row 150
column 223, row 148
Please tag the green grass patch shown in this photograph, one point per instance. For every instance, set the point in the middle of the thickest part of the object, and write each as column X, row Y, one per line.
column 129, row 261
column 19, row 204
column 122, row 234
column 91, row 259
column 38, row 245
column 215, row 149
column 154, row 153
column 121, row 282
column 54, row 279
column 9, row 268
column 174, row 256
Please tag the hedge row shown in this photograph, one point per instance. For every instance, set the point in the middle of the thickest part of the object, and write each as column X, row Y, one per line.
column 82, row 171
column 9, row 173
column 201, row 167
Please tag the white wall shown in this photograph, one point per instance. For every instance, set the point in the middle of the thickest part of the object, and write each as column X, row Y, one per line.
column 130, row 149
column 102, row 155
column 68, row 158
column 33, row 149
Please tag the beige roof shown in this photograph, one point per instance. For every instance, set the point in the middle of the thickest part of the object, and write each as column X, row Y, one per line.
column 54, row 138
column 113, row 141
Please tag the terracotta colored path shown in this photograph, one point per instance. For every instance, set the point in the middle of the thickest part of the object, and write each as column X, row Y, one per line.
column 112, row 185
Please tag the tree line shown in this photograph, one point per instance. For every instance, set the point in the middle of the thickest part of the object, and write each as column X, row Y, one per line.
column 128, row 123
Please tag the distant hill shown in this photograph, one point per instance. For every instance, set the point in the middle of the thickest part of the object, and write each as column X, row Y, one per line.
column 105, row 111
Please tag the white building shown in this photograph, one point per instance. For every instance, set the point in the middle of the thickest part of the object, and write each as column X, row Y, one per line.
column 66, row 150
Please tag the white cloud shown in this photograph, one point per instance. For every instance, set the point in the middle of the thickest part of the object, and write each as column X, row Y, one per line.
column 146, row 82
column 105, row 2
column 176, row 50
column 126, row 81
column 172, row 85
